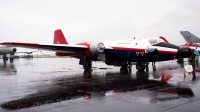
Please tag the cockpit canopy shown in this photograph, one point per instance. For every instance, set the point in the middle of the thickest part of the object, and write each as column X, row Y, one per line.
column 155, row 40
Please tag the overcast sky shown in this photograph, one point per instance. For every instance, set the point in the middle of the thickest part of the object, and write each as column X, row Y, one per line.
column 97, row 20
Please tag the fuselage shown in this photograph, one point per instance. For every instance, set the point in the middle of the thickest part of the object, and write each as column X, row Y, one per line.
column 133, row 50
column 192, row 46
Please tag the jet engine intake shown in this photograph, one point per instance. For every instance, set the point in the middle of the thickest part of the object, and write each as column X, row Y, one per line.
column 184, row 52
column 97, row 47
column 14, row 49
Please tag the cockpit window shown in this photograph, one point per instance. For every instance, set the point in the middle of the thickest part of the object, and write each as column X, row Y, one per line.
column 155, row 40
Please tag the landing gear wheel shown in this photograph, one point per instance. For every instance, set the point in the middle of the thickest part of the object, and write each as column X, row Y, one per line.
column 5, row 58
column 88, row 66
column 140, row 66
column 124, row 69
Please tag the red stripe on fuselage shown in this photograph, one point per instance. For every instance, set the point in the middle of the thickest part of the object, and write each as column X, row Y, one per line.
column 142, row 50
column 166, row 52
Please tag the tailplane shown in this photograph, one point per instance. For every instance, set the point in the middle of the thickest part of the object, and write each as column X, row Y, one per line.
column 59, row 37
column 189, row 37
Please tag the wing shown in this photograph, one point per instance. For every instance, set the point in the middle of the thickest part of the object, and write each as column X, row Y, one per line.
column 50, row 47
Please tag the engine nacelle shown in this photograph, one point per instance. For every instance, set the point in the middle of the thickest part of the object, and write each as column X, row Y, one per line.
column 14, row 49
column 97, row 47
column 8, row 50
column 184, row 52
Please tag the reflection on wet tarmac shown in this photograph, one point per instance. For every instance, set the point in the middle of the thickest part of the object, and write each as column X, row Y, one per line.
column 91, row 86
column 7, row 69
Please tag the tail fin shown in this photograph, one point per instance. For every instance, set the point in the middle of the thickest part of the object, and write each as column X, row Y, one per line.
column 59, row 37
column 189, row 37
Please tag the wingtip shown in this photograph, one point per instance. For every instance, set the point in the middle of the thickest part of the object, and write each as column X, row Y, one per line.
column 164, row 39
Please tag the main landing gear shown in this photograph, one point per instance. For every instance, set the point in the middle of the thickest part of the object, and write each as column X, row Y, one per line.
column 88, row 65
column 142, row 66
column 125, row 69
column 5, row 58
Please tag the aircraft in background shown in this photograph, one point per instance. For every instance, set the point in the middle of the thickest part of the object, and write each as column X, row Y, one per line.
column 118, row 53
column 190, row 38
column 192, row 41
column 4, row 50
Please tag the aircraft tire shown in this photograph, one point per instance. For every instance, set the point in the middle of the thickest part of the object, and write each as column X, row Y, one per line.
column 5, row 58
column 88, row 66
column 140, row 67
column 124, row 69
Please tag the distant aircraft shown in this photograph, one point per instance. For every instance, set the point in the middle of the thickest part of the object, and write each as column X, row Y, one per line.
column 4, row 50
column 118, row 53
column 192, row 41
column 189, row 37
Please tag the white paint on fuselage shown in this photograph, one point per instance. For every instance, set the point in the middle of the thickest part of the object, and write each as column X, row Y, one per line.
column 136, row 44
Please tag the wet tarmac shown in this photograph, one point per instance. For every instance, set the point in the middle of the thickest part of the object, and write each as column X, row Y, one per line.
column 60, row 84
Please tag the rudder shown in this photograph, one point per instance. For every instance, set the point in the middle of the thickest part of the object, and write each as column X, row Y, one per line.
column 59, row 37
